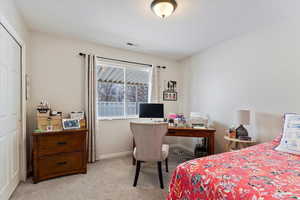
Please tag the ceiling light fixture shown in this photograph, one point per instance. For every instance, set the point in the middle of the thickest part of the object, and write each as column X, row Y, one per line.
column 163, row 8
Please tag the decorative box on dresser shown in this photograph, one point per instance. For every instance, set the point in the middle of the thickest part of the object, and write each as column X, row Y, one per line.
column 59, row 153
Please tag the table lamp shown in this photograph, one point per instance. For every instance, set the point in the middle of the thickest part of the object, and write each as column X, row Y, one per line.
column 243, row 118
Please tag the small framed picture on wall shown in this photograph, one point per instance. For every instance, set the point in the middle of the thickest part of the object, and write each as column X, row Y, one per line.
column 169, row 93
column 170, row 96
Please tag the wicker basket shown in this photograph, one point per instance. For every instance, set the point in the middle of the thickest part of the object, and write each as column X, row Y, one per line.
column 51, row 121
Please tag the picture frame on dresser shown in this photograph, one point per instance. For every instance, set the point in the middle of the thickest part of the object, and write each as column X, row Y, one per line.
column 70, row 124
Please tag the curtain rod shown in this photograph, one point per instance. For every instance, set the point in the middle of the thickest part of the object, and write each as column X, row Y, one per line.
column 125, row 61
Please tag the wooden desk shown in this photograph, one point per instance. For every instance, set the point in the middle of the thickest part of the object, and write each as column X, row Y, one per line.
column 191, row 132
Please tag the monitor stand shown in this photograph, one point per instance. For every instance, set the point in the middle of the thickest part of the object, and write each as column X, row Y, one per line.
column 152, row 119
column 158, row 120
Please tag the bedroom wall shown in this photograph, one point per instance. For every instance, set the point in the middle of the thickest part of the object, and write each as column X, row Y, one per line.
column 56, row 74
column 9, row 11
column 257, row 71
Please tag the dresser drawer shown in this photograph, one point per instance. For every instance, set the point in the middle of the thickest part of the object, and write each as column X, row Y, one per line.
column 52, row 144
column 60, row 164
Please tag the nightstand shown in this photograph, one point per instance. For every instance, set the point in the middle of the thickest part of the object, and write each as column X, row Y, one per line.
column 236, row 144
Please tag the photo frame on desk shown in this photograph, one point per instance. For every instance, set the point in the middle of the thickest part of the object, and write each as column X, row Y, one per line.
column 169, row 96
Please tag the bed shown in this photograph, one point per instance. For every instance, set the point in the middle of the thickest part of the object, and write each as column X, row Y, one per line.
column 257, row 173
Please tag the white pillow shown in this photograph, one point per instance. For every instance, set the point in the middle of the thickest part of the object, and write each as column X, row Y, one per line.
column 290, row 141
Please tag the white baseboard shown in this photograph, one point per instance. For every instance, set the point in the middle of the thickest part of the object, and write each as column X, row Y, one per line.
column 114, row 155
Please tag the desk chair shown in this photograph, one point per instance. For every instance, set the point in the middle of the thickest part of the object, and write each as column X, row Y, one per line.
column 149, row 146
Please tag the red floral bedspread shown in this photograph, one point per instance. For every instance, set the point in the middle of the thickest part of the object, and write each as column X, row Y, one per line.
column 256, row 173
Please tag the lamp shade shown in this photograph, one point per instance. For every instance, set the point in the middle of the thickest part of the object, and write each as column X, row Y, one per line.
column 243, row 117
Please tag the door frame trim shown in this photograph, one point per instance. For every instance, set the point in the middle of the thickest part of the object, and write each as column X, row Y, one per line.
column 22, row 140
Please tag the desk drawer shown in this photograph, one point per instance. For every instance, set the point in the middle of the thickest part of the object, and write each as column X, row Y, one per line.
column 52, row 144
column 60, row 164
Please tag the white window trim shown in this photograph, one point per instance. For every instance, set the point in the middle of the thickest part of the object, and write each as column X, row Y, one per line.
column 124, row 67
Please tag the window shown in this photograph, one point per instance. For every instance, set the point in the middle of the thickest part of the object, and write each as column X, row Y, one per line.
column 121, row 89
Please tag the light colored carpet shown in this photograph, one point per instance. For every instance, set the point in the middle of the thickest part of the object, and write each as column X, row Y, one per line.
column 106, row 180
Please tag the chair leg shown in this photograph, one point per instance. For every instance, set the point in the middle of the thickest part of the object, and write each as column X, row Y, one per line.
column 137, row 172
column 160, row 175
column 167, row 166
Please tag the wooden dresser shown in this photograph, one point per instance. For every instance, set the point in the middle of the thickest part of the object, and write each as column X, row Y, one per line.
column 59, row 153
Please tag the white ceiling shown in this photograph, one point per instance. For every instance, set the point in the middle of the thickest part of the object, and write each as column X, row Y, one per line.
column 195, row 25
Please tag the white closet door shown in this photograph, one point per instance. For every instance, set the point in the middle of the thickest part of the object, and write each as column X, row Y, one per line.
column 10, row 112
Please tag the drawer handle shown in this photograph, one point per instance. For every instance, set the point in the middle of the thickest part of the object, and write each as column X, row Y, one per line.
column 61, row 143
column 61, row 163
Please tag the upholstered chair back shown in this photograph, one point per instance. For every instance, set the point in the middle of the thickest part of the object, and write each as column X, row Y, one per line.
column 149, row 139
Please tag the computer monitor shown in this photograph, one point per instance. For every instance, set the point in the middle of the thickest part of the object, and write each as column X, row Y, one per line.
column 151, row 110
